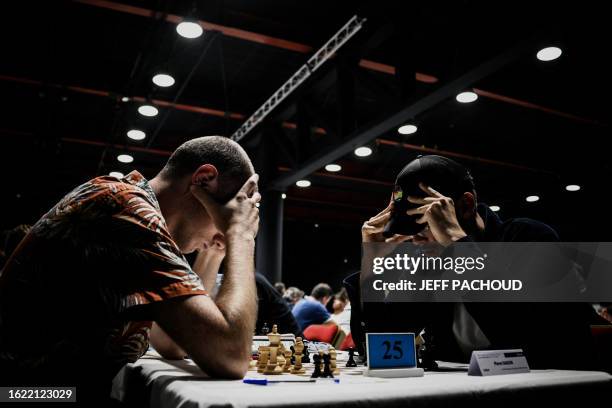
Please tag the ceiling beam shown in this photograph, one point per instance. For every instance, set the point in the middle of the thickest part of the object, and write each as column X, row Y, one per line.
column 305, row 49
column 476, row 159
column 364, row 136
column 241, row 34
column 159, row 102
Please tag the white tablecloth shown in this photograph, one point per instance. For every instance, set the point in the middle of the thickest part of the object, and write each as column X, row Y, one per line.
column 162, row 383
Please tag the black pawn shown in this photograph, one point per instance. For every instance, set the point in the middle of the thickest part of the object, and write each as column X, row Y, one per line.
column 351, row 361
column 327, row 366
column 265, row 329
column 317, row 366
column 305, row 356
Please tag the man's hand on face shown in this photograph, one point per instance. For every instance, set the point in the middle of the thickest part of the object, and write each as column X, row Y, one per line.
column 439, row 213
column 372, row 229
column 239, row 217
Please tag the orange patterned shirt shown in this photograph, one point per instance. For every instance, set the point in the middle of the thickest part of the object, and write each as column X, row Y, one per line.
column 66, row 291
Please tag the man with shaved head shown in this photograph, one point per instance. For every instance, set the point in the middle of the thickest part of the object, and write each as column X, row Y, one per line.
column 79, row 294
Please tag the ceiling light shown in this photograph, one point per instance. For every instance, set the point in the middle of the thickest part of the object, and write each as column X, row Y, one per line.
column 532, row 198
column 125, row 158
column 572, row 187
column 332, row 167
column 407, row 129
column 136, row 134
column 549, row 54
column 363, row 151
column 163, row 80
column 148, row 110
column 466, row 97
column 125, row 99
column 284, row 196
column 189, row 29
column 303, row 183
column 117, row 174
column 494, row 208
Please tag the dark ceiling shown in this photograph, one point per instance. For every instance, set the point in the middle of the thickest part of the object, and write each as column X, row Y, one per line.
column 536, row 126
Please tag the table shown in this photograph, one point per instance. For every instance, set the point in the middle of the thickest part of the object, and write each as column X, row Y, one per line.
column 155, row 382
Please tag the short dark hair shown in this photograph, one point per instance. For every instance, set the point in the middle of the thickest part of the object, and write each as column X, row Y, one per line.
column 280, row 287
column 230, row 159
column 321, row 290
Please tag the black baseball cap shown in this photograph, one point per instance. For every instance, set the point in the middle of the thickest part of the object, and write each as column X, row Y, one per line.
column 442, row 174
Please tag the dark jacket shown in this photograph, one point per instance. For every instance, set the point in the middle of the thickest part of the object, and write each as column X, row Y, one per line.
column 553, row 335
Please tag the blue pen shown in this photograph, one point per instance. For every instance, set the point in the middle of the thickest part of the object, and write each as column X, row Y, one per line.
column 265, row 381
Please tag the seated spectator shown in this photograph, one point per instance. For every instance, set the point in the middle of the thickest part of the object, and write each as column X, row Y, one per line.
column 311, row 309
column 342, row 311
column 280, row 288
column 292, row 296
column 273, row 309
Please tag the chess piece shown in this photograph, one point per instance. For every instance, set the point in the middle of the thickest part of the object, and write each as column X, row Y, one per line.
column 292, row 354
column 265, row 329
column 327, row 373
column 264, row 356
column 317, row 366
column 298, row 350
column 277, row 359
column 333, row 363
column 351, row 361
column 287, row 366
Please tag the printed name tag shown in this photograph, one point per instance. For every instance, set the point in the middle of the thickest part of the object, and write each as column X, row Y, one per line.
column 498, row 362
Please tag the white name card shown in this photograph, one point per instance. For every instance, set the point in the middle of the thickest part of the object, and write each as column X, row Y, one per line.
column 498, row 362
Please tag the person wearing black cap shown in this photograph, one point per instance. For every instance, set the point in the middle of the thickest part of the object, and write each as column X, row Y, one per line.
column 435, row 200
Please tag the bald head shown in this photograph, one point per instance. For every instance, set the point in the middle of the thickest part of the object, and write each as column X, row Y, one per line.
column 229, row 158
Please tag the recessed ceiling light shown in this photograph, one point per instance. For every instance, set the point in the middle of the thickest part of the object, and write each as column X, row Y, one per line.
column 572, row 187
column 549, row 54
column 163, row 80
column 466, row 97
column 125, row 158
column 407, row 129
column 363, row 151
column 332, row 167
column 494, row 208
column 136, row 134
column 316, row 225
column 303, row 183
column 532, row 198
column 189, row 29
column 284, row 196
column 148, row 110
column 117, row 174
column 125, row 99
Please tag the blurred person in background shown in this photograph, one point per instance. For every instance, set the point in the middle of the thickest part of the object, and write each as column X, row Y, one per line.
column 311, row 309
column 342, row 310
column 280, row 288
column 293, row 295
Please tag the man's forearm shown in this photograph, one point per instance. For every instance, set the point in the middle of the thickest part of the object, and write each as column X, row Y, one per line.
column 206, row 266
column 237, row 297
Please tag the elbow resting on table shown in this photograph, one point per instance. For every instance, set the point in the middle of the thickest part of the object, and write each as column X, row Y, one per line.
column 228, row 367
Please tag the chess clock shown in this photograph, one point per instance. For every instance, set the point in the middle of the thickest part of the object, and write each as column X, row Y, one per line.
column 392, row 355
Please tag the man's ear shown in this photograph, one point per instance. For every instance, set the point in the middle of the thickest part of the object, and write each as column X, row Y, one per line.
column 206, row 176
column 468, row 205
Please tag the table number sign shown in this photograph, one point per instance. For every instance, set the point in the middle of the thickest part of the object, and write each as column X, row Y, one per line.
column 392, row 355
column 497, row 362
